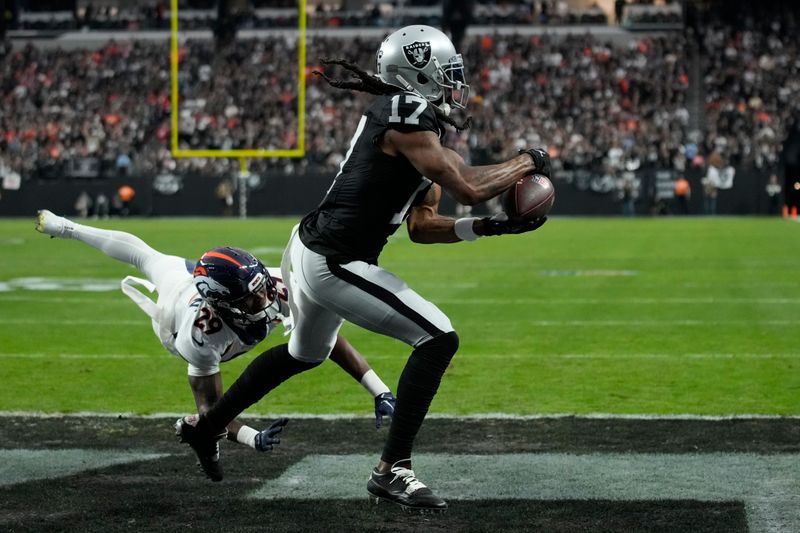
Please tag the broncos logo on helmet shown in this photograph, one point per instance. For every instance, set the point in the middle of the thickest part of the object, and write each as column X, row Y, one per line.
column 236, row 284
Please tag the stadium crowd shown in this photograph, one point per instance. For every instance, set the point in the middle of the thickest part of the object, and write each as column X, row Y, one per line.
column 154, row 15
column 752, row 87
column 596, row 105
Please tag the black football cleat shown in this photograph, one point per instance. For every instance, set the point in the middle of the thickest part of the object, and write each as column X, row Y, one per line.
column 400, row 486
column 206, row 447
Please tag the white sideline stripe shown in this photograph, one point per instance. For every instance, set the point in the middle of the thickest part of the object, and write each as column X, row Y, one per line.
column 543, row 323
column 439, row 416
column 767, row 484
column 467, row 355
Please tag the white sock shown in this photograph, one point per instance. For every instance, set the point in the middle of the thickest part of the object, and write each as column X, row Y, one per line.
column 247, row 436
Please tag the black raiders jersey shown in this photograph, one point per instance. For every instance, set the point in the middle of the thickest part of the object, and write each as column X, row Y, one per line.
column 373, row 192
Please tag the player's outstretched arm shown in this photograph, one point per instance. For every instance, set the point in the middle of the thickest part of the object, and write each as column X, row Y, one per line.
column 208, row 389
column 427, row 226
column 353, row 363
column 469, row 185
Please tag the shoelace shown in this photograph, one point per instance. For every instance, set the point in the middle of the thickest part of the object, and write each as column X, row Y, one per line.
column 412, row 483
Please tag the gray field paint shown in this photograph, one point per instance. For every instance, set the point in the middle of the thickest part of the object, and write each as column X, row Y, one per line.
column 19, row 466
column 769, row 485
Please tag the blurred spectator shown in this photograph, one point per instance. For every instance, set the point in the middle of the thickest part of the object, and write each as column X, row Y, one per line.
column 101, row 206
column 711, row 183
column 773, row 195
column 83, row 204
column 628, row 194
column 123, row 164
column 683, row 192
column 224, row 192
column 456, row 17
column 619, row 7
column 123, row 199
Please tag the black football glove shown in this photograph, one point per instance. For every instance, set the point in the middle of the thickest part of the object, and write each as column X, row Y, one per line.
column 268, row 437
column 500, row 225
column 541, row 160
column 384, row 406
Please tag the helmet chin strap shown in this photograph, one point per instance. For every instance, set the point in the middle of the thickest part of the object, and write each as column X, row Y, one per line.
column 404, row 83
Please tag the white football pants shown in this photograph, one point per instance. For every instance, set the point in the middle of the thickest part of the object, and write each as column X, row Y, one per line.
column 161, row 269
column 324, row 294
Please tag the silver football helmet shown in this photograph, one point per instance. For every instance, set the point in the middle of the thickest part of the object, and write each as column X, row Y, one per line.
column 422, row 59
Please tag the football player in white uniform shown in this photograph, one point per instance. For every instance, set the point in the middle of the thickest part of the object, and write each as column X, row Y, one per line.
column 211, row 312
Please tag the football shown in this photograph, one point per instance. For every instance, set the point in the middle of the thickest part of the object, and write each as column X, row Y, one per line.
column 529, row 198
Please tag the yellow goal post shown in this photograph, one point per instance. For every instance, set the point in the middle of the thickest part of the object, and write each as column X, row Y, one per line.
column 241, row 154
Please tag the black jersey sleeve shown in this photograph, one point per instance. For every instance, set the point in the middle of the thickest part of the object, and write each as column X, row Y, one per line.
column 409, row 112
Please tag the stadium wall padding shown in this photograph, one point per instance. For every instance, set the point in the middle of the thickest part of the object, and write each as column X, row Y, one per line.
column 285, row 195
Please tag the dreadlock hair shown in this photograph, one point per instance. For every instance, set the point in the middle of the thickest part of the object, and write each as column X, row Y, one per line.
column 363, row 81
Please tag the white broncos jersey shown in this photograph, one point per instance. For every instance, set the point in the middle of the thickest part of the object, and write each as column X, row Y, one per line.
column 189, row 328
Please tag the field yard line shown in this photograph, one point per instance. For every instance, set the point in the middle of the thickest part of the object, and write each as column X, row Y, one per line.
column 75, row 322
column 606, row 301
column 782, row 322
column 442, row 416
column 544, row 323
column 699, row 355
column 44, row 297
column 670, row 323
column 42, row 355
column 538, row 356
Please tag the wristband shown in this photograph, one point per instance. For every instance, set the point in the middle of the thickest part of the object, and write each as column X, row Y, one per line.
column 247, row 436
column 463, row 229
column 373, row 383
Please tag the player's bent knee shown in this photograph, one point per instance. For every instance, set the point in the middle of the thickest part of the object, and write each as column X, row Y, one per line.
column 444, row 345
column 310, row 357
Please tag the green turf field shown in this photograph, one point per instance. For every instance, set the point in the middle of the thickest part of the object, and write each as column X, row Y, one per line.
column 586, row 315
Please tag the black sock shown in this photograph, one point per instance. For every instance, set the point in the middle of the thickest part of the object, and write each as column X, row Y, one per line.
column 263, row 374
column 415, row 391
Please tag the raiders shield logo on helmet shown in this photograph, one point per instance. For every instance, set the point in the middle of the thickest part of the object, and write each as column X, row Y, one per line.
column 418, row 54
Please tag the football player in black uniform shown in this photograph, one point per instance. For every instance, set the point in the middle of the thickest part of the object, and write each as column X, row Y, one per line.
column 394, row 171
